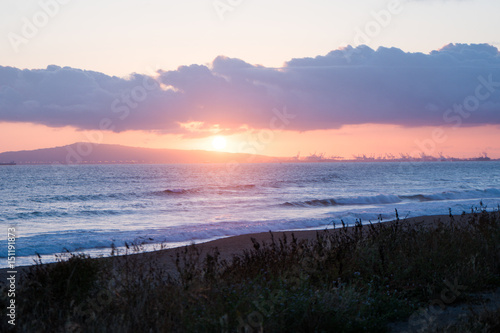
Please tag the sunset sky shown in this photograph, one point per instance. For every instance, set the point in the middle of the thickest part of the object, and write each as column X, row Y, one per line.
column 270, row 77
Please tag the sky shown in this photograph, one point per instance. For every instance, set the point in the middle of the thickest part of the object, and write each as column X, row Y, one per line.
column 273, row 78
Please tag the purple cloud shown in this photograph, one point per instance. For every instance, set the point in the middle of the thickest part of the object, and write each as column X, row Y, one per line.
column 350, row 86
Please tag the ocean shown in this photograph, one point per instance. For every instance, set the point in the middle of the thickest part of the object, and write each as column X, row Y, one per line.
column 89, row 208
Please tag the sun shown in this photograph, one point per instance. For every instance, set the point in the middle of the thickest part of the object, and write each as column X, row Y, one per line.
column 219, row 142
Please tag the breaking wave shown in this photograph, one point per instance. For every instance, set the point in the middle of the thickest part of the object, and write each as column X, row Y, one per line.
column 392, row 199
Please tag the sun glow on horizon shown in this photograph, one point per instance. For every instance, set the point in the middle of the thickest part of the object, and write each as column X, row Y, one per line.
column 219, row 142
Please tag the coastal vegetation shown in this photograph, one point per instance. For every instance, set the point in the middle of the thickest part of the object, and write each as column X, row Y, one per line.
column 351, row 280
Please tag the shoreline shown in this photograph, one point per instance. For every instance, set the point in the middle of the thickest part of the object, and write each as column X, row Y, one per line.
column 233, row 245
column 347, row 276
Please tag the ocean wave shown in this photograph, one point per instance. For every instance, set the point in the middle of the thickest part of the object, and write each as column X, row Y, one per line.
column 455, row 195
column 342, row 201
column 36, row 214
column 223, row 188
column 102, row 212
column 82, row 197
column 175, row 191
column 393, row 199
column 78, row 240
column 237, row 187
column 415, row 197
column 62, row 214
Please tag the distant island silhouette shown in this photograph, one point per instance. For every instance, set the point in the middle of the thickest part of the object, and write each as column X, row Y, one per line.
column 90, row 153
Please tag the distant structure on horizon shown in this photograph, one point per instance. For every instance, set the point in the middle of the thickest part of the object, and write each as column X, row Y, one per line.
column 320, row 157
column 484, row 157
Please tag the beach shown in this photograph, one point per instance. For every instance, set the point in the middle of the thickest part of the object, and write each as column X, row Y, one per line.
column 236, row 245
column 257, row 280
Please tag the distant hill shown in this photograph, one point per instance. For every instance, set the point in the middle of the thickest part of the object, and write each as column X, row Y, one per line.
column 89, row 153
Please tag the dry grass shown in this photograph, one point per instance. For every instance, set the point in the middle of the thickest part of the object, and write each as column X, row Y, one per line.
column 358, row 279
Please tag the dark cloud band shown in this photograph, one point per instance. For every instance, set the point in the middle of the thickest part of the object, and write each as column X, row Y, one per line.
column 348, row 86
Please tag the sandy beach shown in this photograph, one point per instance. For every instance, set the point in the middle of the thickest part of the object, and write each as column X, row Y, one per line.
column 235, row 245
column 132, row 278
